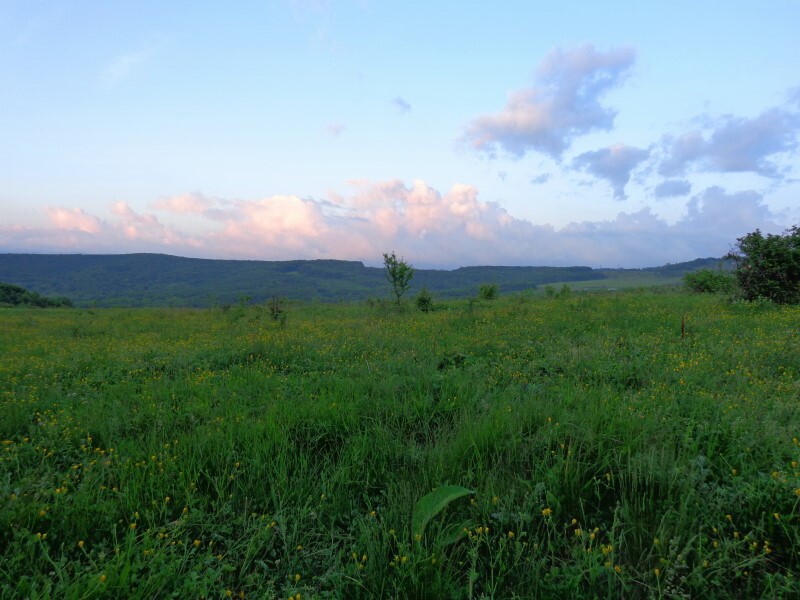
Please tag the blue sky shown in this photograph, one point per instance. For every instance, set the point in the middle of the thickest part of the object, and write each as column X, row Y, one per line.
column 455, row 133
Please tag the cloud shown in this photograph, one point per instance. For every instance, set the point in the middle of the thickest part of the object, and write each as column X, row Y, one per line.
column 286, row 224
column 540, row 179
column 428, row 227
column 794, row 95
column 73, row 219
column 194, row 203
column 335, row 129
column 727, row 214
column 147, row 229
column 734, row 145
column 613, row 164
column 673, row 187
column 564, row 103
column 401, row 105
column 75, row 230
column 713, row 221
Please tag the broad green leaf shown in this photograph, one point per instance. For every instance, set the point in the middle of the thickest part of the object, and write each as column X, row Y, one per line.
column 433, row 503
column 454, row 532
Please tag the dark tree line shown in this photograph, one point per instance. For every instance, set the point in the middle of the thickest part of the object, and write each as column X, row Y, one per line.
column 14, row 295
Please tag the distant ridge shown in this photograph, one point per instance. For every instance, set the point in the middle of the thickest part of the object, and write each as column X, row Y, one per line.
column 164, row 280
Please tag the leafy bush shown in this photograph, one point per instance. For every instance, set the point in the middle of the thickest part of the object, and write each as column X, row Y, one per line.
column 707, row 281
column 487, row 291
column 769, row 266
column 551, row 291
column 424, row 300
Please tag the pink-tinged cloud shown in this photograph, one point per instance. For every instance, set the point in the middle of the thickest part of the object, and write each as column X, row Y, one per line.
column 564, row 103
column 75, row 230
column 73, row 219
column 184, row 204
column 284, row 224
column 147, row 228
column 427, row 227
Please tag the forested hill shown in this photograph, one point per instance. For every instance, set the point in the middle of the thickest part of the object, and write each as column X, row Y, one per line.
column 162, row 280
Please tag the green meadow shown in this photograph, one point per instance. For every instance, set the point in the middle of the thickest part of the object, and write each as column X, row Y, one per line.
column 609, row 445
column 622, row 280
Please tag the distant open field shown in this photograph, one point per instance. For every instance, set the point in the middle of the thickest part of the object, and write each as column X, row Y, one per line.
column 621, row 280
column 638, row 444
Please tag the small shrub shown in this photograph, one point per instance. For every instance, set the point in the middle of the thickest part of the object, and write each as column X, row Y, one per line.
column 424, row 300
column 487, row 291
column 706, row 281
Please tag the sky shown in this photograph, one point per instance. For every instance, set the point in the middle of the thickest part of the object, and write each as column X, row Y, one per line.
column 606, row 134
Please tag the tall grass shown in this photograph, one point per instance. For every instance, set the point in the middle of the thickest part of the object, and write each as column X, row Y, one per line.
column 208, row 453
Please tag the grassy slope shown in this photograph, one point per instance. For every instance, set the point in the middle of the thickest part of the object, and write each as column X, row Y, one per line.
column 621, row 280
column 196, row 452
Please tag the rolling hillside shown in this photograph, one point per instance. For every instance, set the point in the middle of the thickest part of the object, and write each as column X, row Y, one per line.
column 162, row 280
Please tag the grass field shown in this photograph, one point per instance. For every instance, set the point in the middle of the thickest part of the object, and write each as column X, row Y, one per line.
column 637, row 445
column 622, row 280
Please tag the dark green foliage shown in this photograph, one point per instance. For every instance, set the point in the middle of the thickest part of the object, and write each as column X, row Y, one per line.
column 424, row 300
column 399, row 274
column 127, row 280
column 710, row 282
column 563, row 292
column 487, row 291
column 769, row 266
column 13, row 295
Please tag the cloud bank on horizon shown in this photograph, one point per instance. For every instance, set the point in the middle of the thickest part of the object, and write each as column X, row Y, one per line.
column 433, row 229
column 649, row 194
